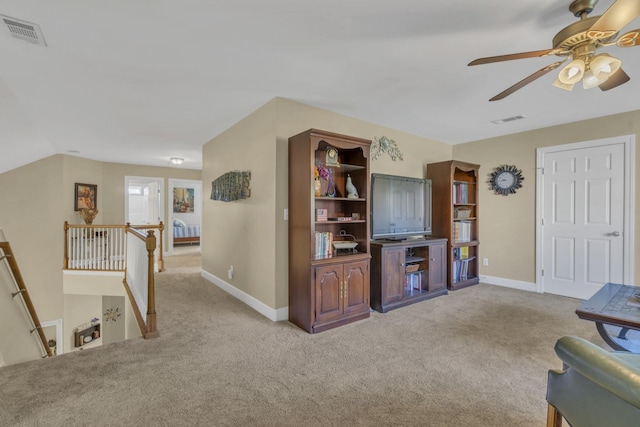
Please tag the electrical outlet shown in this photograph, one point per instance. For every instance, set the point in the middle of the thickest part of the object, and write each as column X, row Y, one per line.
column 485, row 261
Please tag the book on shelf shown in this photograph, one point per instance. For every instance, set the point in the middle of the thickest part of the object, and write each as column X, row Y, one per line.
column 460, row 192
column 461, row 231
column 461, row 270
column 413, row 281
column 321, row 215
column 323, row 244
column 464, row 252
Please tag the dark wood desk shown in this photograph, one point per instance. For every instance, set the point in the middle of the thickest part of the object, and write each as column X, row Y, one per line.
column 614, row 318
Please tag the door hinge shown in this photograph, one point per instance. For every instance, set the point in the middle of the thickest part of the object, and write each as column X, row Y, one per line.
column 542, row 273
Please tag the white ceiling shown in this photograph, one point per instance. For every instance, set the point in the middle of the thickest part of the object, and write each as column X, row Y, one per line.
column 141, row 81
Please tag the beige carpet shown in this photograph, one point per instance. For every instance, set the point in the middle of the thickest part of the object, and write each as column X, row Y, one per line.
column 476, row 357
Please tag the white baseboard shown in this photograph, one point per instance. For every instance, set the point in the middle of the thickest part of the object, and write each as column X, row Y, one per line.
column 275, row 315
column 509, row 283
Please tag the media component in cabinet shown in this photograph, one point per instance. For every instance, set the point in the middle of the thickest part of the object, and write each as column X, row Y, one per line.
column 329, row 239
column 407, row 272
column 455, row 216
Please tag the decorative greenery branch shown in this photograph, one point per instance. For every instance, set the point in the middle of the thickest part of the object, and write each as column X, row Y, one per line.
column 385, row 145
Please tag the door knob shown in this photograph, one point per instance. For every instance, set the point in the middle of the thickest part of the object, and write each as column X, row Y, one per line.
column 615, row 233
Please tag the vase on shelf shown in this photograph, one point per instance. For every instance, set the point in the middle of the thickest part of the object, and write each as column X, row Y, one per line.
column 331, row 187
column 317, row 186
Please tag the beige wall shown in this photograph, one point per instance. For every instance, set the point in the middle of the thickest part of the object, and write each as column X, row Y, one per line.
column 242, row 233
column 507, row 224
column 254, row 231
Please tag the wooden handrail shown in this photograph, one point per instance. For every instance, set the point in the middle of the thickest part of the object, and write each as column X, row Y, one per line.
column 149, row 328
column 160, row 227
column 22, row 290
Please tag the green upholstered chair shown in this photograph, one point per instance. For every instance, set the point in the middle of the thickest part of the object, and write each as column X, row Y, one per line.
column 596, row 387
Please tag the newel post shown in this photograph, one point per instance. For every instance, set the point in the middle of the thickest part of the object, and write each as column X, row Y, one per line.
column 161, row 249
column 66, row 246
column 152, row 331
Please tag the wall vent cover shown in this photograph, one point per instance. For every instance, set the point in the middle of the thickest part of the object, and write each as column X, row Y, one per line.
column 24, row 30
column 509, row 119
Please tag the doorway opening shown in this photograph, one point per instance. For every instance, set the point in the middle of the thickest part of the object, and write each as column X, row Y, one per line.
column 184, row 205
column 143, row 200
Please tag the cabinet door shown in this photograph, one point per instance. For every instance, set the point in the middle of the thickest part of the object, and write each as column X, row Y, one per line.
column 328, row 293
column 437, row 267
column 393, row 279
column 356, row 287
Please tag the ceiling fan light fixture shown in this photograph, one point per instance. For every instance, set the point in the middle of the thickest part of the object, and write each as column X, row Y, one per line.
column 572, row 73
column 564, row 86
column 603, row 66
column 590, row 80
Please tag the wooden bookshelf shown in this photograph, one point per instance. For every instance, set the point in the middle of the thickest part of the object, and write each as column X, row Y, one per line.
column 455, row 216
column 328, row 286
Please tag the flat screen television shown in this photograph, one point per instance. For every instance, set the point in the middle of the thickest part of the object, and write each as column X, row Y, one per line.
column 400, row 207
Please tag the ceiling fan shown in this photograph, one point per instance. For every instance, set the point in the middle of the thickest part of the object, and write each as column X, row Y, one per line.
column 579, row 41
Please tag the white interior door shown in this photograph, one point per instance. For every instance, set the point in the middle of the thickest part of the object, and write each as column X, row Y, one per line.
column 585, row 199
column 144, row 200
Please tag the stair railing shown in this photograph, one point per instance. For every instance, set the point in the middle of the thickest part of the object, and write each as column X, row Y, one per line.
column 160, row 239
column 139, row 278
column 101, row 247
column 7, row 256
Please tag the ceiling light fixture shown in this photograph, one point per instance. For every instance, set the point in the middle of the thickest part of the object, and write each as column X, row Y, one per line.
column 592, row 70
column 177, row 160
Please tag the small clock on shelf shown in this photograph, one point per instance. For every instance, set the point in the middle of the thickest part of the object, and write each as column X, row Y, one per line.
column 506, row 179
column 332, row 157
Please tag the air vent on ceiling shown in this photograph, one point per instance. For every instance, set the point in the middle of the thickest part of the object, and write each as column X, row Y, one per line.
column 24, row 30
column 509, row 119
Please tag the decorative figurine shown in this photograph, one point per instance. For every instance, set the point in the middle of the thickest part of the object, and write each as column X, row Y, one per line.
column 352, row 192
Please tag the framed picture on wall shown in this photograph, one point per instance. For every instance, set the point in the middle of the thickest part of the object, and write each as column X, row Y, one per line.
column 86, row 196
column 183, row 199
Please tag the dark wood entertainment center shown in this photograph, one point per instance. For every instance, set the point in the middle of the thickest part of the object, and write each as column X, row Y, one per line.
column 406, row 272
column 336, row 272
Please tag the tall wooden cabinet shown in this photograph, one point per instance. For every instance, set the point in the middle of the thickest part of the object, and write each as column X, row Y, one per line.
column 328, row 286
column 455, row 215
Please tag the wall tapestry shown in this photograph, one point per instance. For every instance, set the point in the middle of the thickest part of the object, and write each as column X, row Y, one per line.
column 231, row 186
column 183, row 200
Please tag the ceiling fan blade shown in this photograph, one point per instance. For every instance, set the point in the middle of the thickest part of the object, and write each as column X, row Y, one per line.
column 541, row 72
column 617, row 79
column 629, row 39
column 617, row 16
column 521, row 55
